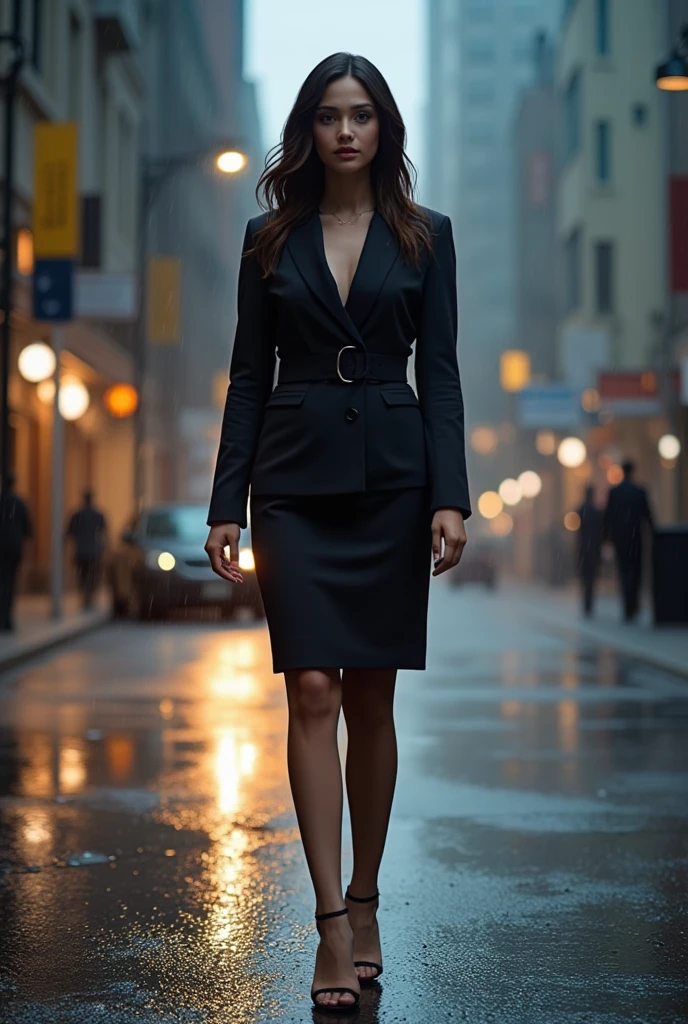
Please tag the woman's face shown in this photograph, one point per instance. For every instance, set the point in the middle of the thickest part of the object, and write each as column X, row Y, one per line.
column 346, row 128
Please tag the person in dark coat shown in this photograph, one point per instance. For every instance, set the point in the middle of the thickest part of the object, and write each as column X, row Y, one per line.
column 87, row 529
column 628, row 509
column 15, row 529
column 589, row 552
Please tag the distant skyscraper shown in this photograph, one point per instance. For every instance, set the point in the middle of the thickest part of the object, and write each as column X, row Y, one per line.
column 480, row 59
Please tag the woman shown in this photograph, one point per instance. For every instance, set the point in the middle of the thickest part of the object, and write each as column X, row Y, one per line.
column 353, row 479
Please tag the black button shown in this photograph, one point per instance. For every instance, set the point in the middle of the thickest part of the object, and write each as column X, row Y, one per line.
column 350, row 415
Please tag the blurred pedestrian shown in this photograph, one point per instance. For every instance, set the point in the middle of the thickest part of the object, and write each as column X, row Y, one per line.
column 589, row 551
column 356, row 481
column 87, row 528
column 15, row 529
column 627, row 511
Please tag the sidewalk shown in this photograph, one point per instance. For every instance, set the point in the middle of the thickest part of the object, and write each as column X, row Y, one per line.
column 666, row 646
column 36, row 631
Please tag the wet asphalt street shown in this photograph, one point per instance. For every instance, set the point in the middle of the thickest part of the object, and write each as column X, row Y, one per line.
column 537, row 864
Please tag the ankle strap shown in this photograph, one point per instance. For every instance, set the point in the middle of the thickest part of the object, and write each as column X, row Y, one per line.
column 362, row 899
column 332, row 913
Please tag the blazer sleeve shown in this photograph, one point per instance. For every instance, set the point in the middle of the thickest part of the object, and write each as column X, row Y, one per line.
column 251, row 375
column 438, row 379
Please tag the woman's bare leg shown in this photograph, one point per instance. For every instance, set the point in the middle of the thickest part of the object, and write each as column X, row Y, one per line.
column 371, row 772
column 314, row 697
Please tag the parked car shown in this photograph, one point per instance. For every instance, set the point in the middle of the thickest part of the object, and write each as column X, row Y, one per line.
column 160, row 564
column 478, row 565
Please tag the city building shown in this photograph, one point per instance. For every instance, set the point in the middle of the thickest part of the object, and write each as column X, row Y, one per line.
column 141, row 80
column 82, row 64
column 612, row 227
column 480, row 58
column 198, row 103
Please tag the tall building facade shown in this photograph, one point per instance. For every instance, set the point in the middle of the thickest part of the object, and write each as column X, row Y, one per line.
column 82, row 63
column 613, row 227
column 198, row 102
column 480, row 58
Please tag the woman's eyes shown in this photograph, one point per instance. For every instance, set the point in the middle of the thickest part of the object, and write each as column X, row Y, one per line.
column 329, row 118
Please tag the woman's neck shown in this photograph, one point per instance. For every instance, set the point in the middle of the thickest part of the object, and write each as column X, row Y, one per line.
column 344, row 194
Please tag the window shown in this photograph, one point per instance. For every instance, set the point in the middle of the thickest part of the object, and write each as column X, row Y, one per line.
column 602, row 27
column 524, row 50
column 572, row 116
column 481, row 133
column 603, row 156
column 604, row 277
column 480, row 94
column 639, row 114
column 75, row 66
column 572, row 261
column 480, row 15
column 480, row 51
column 36, row 26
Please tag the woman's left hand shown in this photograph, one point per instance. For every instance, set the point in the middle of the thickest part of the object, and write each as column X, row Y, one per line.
column 447, row 523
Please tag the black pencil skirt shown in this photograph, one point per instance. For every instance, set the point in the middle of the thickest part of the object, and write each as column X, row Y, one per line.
column 344, row 577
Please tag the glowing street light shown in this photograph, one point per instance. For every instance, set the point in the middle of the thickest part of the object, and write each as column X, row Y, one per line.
column 74, row 398
column 231, row 161
column 669, row 446
column 672, row 74
column 36, row 362
column 571, row 452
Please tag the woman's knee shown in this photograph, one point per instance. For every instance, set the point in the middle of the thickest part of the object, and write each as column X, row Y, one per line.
column 368, row 698
column 313, row 694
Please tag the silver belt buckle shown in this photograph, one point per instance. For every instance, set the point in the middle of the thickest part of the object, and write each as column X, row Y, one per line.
column 346, row 380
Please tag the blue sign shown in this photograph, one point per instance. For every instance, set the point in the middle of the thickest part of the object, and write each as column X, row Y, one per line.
column 549, row 405
column 53, row 288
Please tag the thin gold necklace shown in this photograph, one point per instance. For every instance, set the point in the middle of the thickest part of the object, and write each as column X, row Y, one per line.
column 345, row 222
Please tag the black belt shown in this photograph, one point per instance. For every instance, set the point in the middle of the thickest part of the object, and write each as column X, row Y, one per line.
column 349, row 365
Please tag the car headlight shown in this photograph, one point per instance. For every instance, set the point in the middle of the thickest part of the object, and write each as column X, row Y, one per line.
column 160, row 560
column 246, row 559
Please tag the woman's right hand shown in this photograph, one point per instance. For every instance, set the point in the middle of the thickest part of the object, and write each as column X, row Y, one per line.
column 221, row 536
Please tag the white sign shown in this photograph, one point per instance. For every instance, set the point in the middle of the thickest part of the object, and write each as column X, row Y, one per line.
column 105, row 296
column 549, row 405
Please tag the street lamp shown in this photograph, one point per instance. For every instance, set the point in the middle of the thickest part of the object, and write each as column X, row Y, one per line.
column 672, row 74
column 155, row 171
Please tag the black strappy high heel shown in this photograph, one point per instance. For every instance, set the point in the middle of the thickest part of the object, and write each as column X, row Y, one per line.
column 342, row 1007
column 365, row 963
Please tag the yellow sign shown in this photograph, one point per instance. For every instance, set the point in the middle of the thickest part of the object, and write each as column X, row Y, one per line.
column 164, row 283
column 55, row 201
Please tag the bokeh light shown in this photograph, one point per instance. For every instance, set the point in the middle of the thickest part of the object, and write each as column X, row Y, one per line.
column 36, row 362
column 546, row 442
column 510, row 491
column 490, row 504
column 572, row 521
column 571, row 452
column 530, row 482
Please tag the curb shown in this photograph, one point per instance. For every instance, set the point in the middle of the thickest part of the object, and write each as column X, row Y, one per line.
column 667, row 664
column 33, row 650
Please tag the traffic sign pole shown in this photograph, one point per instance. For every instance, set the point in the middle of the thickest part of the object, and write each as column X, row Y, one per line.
column 57, row 487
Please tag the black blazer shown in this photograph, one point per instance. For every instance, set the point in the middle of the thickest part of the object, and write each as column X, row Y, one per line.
column 627, row 510
column 325, row 436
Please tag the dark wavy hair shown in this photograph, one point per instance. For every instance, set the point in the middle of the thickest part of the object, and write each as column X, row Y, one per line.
column 292, row 182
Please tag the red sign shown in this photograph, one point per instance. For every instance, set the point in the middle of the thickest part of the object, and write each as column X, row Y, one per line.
column 630, row 384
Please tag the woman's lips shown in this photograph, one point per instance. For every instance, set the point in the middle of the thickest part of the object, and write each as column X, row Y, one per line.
column 346, row 154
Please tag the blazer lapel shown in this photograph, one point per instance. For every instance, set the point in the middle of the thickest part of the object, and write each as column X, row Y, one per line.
column 378, row 256
column 305, row 243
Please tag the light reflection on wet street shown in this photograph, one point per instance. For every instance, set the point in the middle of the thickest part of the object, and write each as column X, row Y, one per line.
column 537, row 860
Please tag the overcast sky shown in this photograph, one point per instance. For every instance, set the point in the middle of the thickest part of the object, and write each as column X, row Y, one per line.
column 285, row 39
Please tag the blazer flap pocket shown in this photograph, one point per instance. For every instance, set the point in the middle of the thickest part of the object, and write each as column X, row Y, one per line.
column 400, row 397
column 286, row 398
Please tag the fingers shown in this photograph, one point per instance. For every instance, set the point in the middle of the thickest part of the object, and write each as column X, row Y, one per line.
column 454, row 543
column 436, row 541
column 215, row 547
